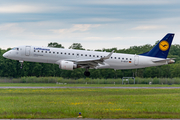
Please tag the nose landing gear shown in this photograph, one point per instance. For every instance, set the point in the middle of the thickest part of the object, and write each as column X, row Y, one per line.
column 21, row 62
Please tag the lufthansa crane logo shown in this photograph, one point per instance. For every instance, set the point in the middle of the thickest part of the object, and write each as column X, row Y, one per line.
column 163, row 45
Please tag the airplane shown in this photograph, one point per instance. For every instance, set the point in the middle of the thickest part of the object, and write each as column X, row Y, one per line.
column 69, row 59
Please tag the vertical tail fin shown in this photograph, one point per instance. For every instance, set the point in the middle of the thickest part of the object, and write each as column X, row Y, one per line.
column 161, row 50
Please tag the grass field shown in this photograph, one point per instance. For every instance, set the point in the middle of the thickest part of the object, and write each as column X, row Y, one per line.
column 92, row 103
column 83, row 85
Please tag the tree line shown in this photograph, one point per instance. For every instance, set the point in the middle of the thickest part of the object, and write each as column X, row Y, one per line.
column 11, row 68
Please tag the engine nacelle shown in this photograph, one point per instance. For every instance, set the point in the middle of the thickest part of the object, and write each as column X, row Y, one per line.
column 67, row 65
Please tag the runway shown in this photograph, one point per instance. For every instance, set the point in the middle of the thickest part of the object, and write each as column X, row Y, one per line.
column 90, row 87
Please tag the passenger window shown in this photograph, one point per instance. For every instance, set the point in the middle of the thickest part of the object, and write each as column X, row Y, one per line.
column 130, row 59
column 126, row 58
column 114, row 57
column 45, row 51
column 61, row 53
column 42, row 51
column 123, row 58
column 118, row 57
column 73, row 54
column 49, row 51
column 101, row 56
column 57, row 52
column 68, row 53
column 17, row 48
column 53, row 52
column 38, row 50
column 65, row 53
column 111, row 57
column 93, row 55
column 85, row 55
column 97, row 56
column 34, row 50
column 89, row 55
column 81, row 54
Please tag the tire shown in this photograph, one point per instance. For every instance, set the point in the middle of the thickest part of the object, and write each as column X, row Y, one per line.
column 87, row 73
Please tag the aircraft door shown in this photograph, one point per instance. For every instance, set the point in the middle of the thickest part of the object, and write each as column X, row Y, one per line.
column 27, row 50
column 136, row 60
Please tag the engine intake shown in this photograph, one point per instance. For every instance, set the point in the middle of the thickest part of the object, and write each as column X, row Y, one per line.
column 67, row 65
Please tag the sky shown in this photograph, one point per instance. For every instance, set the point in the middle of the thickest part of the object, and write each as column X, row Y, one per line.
column 96, row 24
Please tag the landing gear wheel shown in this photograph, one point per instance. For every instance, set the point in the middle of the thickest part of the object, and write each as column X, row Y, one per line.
column 87, row 73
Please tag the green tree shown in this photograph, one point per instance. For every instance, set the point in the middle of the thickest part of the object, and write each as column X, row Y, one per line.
column 11, row 68
column 55, row 45
column 76, row 46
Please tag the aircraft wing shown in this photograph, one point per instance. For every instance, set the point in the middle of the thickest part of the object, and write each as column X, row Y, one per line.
column 92, row 63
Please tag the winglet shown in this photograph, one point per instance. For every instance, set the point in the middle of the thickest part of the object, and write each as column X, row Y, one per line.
column 108, row 56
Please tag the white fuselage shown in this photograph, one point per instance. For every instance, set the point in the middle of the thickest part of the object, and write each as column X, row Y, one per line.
column 52, row 55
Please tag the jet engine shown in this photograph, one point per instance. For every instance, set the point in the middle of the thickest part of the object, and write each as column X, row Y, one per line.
column 67, row 65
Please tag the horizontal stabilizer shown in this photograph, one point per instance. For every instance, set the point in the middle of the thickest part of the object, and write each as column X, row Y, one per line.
column 169, row 60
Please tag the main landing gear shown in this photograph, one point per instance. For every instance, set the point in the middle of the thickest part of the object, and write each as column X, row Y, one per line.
column 21, row 62
column 87, row 73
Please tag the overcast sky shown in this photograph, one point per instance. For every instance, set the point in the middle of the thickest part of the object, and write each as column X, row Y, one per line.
column 96, row 24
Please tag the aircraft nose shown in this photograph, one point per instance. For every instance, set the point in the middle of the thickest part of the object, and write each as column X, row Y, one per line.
column 5, row 54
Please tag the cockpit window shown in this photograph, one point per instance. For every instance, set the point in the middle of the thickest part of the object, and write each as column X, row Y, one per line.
column 15, row 49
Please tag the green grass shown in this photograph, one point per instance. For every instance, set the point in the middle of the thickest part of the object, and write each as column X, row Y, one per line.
column 82, row 85
column 92, row 103
column 138, row 80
